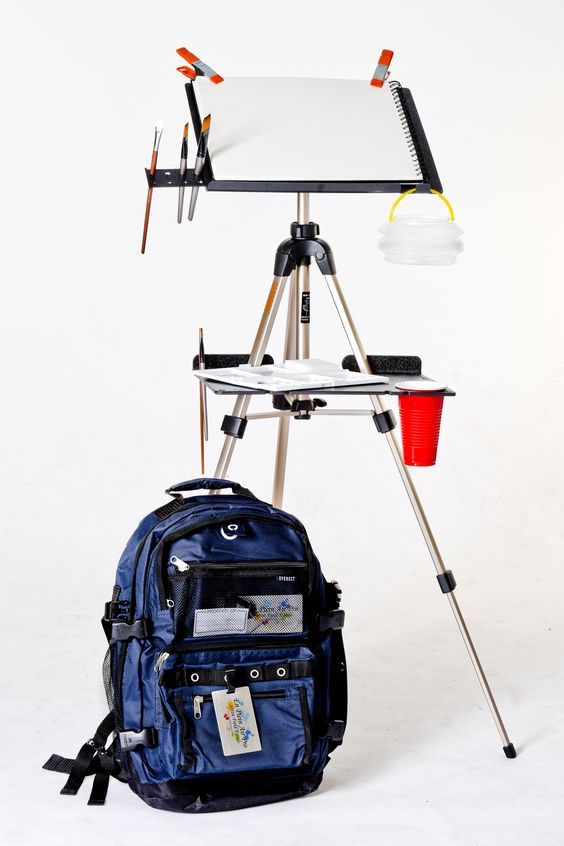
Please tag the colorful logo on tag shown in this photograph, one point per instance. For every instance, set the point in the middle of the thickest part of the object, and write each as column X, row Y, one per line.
column 237, row 718
column 276, row 613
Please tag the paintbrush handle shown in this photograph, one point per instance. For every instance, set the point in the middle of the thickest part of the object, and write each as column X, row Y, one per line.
column 192, row 206
column 198, row 168
column 152, row 170
column 146, row 222
column 205, row 407
column 202, row 428
column 181, row 190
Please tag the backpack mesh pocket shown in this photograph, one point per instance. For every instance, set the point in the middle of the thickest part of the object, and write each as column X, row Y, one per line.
column 107, row 678
column 273, row 602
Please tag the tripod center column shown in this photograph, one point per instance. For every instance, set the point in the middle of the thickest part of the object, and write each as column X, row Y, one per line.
column 303, row 292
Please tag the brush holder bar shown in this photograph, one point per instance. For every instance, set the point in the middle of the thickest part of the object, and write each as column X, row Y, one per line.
column 171, row 178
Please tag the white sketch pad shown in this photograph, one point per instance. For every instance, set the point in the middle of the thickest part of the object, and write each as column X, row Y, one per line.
column 290, row 129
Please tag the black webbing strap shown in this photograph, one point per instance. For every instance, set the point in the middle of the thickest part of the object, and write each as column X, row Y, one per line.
column 58, row 764
column 169, row 508
column 190, row 676
column 99, row 789
column 92, row 759
column 338, row 691
column 102, row 778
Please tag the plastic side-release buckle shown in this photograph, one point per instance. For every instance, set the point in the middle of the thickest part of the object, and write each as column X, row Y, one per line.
column 334, row 730
column 331, row 620
column 125, row 631
column 132, row 740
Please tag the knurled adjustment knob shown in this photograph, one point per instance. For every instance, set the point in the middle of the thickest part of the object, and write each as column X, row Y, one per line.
column 304, row 230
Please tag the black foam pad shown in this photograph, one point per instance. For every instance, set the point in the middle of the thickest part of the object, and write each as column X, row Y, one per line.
column 215, row 360
column 387, row 365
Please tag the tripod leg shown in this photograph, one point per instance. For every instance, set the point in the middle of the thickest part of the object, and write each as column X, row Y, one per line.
column 296, row 346
column 284, row 422
column 258, row 349
column 444, row 576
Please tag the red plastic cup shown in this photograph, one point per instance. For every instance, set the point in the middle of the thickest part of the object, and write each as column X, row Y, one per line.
column 420, row 416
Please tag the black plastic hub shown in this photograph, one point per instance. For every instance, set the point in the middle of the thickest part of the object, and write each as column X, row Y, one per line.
column 303, row 245
column 304, row 407
column 304, row 230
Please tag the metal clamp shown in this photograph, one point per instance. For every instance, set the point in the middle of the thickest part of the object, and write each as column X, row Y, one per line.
column 384, row 421
column 234, row 426
column 447, row 582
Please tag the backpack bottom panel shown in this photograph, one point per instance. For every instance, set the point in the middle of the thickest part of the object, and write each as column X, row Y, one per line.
column 203, row 796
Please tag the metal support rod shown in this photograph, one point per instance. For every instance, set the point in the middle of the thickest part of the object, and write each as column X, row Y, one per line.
column 291, row 326
column 341, row 412
column 478, row 668
column 284, row 421
column 257, row 352
column 266, row 415
column 302, row 274
column 315, row 412
column 302, row 314
column 296, row 346
column 302, row 311
column 303, row 208
column 379, row 406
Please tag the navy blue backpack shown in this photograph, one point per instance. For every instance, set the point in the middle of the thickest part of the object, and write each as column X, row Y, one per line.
column 225, row 673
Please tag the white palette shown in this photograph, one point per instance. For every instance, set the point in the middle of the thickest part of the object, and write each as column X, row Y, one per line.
column 305, row 374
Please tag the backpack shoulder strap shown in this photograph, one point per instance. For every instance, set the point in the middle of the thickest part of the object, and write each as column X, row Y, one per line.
column 93, row 758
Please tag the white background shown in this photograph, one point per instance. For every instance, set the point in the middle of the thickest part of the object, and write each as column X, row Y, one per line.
column 100, row 409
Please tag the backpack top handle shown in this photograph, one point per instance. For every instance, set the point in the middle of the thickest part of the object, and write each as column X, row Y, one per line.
column 205, row 483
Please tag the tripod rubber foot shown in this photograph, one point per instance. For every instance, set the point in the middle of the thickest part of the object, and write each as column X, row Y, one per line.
column 510, row 751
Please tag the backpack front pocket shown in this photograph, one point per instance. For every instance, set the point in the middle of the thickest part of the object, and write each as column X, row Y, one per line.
column 282, row 719
column 237, row 598
column 281, row 687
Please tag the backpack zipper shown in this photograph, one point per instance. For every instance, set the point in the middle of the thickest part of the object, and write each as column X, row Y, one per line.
column 189, row 757
column 258, row 643
column 198, row 700
column 196, row 569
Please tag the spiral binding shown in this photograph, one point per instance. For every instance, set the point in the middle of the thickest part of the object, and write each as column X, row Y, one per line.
column 395, row 88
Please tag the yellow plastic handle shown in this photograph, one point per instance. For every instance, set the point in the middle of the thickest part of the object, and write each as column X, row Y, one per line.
column 411, row 191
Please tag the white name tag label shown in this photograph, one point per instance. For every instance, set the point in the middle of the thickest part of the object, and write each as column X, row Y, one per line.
column 212, row 621
column 236, row 721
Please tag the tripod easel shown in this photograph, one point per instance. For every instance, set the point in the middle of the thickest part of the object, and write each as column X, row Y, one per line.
column 293, row 260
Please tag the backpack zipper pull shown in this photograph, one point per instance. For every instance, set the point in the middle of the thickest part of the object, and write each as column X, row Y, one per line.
column 198, row 706
column 160, row 661
column 180, row 565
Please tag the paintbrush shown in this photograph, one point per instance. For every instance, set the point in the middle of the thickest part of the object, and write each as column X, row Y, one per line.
column 203, row 399
column 200, row 161
column 183, row 163
column 154, row 157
